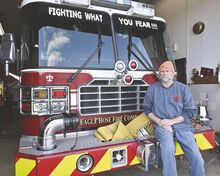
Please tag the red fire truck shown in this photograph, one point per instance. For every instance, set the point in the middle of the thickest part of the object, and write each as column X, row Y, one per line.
column 86, row 64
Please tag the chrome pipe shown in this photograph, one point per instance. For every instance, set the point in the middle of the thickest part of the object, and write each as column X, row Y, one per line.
column 47, row 139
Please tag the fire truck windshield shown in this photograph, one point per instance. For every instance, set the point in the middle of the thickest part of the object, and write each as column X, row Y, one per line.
column 55, row 36
column 146, row 34
column 64, row 37
column 70, row 48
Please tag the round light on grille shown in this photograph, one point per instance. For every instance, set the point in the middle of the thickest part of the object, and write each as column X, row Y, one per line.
column 119, row 66
column 128, row 79
column 133, row 65
column 84, row 163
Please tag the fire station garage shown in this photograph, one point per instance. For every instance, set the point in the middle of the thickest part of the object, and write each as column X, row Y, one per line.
column 109, row 88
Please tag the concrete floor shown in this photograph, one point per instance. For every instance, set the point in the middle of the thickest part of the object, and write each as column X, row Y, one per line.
column 9, row 138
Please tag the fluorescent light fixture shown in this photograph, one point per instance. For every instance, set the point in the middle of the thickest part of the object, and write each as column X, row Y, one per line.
column 142, row 9
column 1, row 29
column 78, row 2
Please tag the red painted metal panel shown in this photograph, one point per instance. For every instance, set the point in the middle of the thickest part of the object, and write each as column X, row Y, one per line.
column 31, row 125
column 56, row 78
column 210, row 136
column 149, row 78
column 33, row 172
column 48, row 163
column 132, row 152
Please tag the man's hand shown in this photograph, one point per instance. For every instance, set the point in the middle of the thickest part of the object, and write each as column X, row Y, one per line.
column 166, row 124
column 168, row 128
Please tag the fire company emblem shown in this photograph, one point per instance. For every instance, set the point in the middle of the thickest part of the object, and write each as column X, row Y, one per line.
column 49, row 78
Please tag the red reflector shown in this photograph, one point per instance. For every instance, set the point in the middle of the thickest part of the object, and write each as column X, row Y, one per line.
column 25, row 107
column 59, row 93
column 133, row 65
column 128, row 79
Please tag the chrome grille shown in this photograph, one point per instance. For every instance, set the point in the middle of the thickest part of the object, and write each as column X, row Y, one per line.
column 105, row 99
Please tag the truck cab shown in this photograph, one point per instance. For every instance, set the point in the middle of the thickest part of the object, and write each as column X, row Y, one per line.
column 99, row 57
column 86, row 64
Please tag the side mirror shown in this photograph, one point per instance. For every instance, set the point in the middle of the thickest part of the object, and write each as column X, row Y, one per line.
column 8, row 51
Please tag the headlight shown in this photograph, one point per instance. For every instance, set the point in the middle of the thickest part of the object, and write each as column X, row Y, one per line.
column 40, row 107
column 40, row 94
column 84, row 163
column 120, row 66
column 44, row 100
column 58, row 106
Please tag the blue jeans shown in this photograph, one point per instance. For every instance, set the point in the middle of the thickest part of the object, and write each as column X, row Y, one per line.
column 167, row 148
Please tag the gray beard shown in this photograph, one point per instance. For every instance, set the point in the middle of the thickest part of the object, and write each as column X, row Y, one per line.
column 166, row 79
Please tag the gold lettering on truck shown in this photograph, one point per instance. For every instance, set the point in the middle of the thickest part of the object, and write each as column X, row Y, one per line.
column 106, row 120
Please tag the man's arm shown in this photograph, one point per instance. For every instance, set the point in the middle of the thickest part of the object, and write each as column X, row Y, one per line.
column 165, row 123
column 188, row 111
column 170, row 122
column 154, row 118
column 188, row 105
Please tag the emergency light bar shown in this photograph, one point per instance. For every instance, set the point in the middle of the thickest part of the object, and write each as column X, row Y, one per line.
column 114, row 4
column 77, row 2
column 130, row 6
column 142, row 9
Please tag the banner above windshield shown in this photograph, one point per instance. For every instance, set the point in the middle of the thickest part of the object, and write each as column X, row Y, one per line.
column 45, row 14
column 77, row 14
column 137, row 22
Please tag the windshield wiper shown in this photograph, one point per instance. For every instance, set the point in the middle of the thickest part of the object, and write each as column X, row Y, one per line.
column 98, row 48
column 99, row 41
column 129, row 46
column 143, row 61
